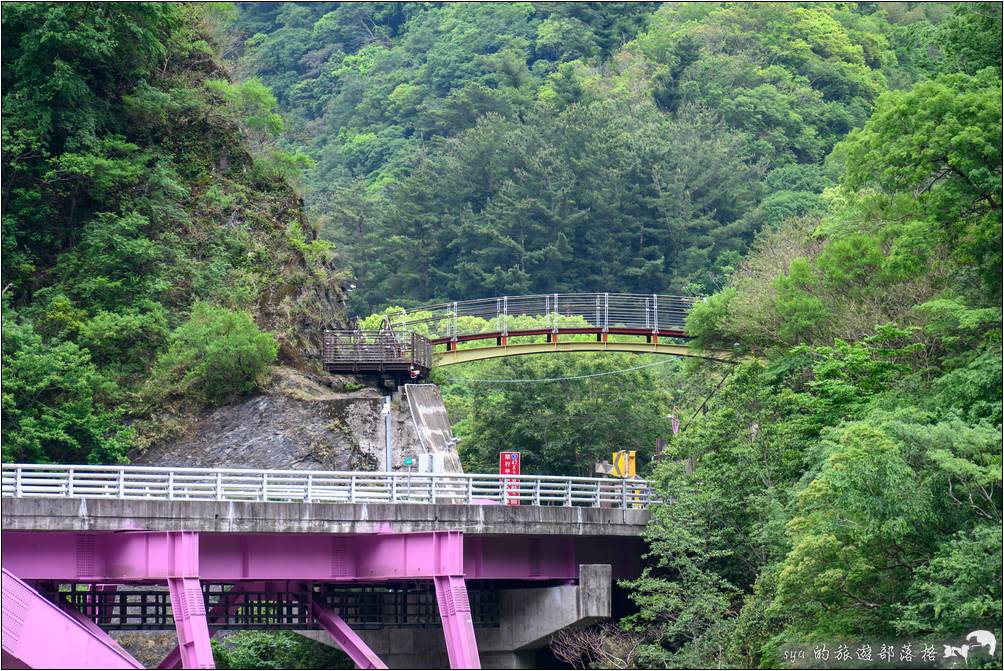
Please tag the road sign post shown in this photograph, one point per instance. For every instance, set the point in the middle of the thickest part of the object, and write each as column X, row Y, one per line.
column 509, row 464
column 409, row 462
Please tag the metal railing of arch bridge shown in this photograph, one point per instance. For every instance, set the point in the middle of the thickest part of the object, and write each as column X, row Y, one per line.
column 233, row 484
column 631, row 314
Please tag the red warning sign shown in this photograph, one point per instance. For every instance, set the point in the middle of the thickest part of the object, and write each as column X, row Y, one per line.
column 509, row 465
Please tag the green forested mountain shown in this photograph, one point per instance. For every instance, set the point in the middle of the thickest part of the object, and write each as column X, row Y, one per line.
column 148, row 230
column 471, row 150
column 827, row 174
column 833, row 172
column 848, row 486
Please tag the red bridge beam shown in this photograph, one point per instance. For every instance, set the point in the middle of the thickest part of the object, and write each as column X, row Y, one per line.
column 568, row 330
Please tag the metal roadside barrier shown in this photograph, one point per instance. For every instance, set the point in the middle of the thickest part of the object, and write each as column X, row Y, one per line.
column 231, row 484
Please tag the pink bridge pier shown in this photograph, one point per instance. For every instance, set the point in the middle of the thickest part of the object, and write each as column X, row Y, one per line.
column 376, row 564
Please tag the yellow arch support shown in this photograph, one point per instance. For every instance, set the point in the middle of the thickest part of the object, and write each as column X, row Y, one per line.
column 454, row 357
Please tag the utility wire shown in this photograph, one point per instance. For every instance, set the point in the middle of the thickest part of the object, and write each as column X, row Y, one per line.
column 705, row 403
column 563, row 379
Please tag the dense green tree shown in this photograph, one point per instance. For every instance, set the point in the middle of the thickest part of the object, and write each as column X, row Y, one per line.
column 752, row 89
column 53, row 402
column 217, row 354
column 878, row 315
column 559, row 425
column 276, row 650
column 137, row 181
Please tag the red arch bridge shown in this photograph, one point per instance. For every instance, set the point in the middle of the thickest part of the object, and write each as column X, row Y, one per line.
column 374, row 563
column 452, row 333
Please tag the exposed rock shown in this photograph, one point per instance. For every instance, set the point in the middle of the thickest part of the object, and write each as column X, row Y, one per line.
column 294, row 423
column 148, row 647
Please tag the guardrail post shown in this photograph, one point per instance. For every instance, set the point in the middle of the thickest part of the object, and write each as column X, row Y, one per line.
column 310, row 487
column 393, row 488
column 599, row 487
column 69, row 482
column 219, row 486
column 432, row 488
column 17, row 481
column 568, row 493
column 505, row 315
column 536, row 492
column 352, row 489
column 655, row 314
column 170, row 486
column 470, row 490
column 624, row 494
column 554, row 328
column 121, row 483
column 454, row 326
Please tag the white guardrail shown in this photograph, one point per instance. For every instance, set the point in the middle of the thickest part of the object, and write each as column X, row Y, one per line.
column 231, row 484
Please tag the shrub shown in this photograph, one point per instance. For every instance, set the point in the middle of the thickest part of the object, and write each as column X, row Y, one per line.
column 52, row 409
column 276, row 650
column 214, row 356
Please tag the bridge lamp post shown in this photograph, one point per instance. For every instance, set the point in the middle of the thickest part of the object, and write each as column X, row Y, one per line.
column 388, row 436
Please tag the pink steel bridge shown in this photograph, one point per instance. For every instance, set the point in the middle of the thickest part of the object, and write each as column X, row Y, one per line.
column 229, row 543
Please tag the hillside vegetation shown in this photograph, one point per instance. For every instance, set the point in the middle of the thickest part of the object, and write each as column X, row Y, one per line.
column 829, row 173
column 154, row 257
column 466, row 150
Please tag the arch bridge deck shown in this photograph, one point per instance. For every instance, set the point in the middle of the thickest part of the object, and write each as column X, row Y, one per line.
column 445, row 334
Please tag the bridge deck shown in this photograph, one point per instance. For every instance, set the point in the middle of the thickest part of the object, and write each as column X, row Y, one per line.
column 81, row 514
column 408, row 342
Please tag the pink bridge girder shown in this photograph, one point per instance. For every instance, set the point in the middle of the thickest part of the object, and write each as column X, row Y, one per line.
column 183, row 559
column 38, row 633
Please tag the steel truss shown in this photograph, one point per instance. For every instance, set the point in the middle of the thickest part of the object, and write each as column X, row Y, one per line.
column 276, row 605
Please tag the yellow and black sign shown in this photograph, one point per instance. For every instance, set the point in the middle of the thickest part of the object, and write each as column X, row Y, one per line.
column 623, row 463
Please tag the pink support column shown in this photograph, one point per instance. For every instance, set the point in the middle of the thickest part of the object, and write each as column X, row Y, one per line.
column 458, row 627
column 190, row 622
column 187, row 605
column 39, row 634
column 219, row 610
column 347, row 640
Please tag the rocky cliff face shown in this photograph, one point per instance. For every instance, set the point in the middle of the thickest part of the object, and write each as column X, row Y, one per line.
column 297, row 422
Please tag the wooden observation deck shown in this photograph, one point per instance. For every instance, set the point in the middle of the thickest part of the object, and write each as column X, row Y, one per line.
column 377, row 352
